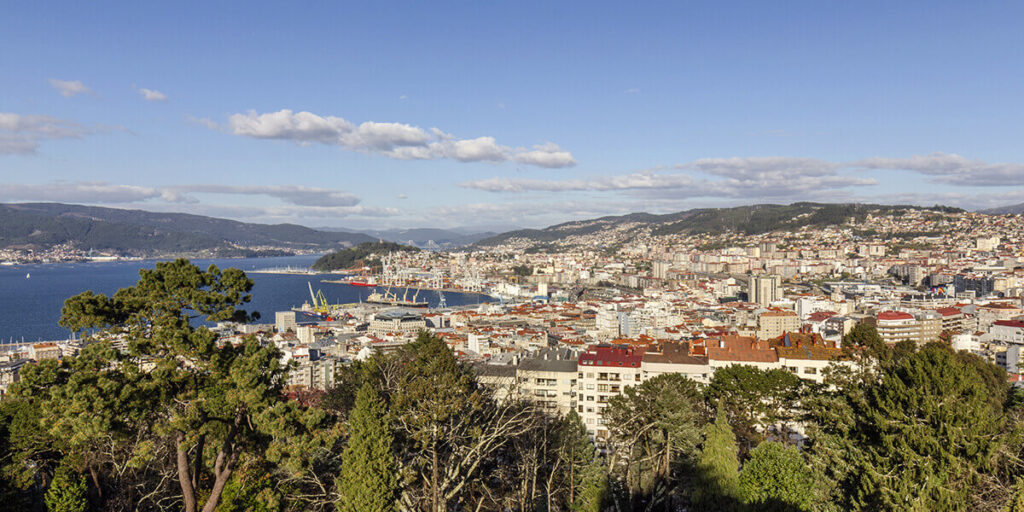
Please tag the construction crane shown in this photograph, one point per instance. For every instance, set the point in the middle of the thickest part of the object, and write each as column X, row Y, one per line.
column 320, row 304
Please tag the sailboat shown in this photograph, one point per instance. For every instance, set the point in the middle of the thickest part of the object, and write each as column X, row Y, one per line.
column 27, row 276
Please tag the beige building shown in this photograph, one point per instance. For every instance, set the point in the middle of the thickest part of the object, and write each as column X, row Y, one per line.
column 764, row 289
column 772, row 324
column 285, row 321
column 397, row 321
column 548, row 379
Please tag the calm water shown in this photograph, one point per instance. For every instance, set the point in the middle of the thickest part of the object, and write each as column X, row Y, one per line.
column 30, row 307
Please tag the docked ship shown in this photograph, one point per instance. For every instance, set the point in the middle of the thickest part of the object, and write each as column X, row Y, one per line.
column 391, row 299
column 369, row 283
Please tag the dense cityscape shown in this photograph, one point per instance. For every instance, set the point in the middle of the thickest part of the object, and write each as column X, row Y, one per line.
column 762, row 329
column 500, row 256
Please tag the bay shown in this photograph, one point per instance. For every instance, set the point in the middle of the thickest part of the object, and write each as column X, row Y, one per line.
column 30, row 306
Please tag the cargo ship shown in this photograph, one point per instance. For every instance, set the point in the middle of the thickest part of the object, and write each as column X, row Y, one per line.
column 391, row 299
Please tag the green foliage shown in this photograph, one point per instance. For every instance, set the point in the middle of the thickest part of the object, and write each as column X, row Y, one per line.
column 522, row 270
column 654, row 424
column 578, row 454
column 174, row 386
column 776, row 479
column 252, row 490
column 865, row 336
column 755, row 401
column 921, row 433
column 1017, row 501
column 67, row 491
column 717, row 483
column 368, row 479
column 594, row 490
column 348, row 258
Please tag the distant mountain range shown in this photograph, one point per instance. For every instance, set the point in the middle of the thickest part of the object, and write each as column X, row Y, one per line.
column 144, row 233
column 749, row 220
column 1001, row 210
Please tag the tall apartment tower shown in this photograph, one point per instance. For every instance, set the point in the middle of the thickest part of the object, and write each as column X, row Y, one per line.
column 764, row 289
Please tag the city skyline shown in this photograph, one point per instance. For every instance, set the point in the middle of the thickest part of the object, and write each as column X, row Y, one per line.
column 499, row 116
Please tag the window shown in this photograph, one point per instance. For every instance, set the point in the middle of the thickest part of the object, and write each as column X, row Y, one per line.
column 602, row 387
column 590, row 398
column 638, row 377
column 590, row 375
column 792, row 369
column 810, row 371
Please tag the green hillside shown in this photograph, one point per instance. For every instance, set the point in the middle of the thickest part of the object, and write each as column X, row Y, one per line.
column 137, row 232
column 367, row 253
column 748, row 220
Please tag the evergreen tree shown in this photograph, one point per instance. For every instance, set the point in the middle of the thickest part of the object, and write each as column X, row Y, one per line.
column 593, row 489
column 67, row 492
column 922, row 432
column 368, row 479
column 654, row 428
column 577, row 452
column 1017, row 501
column 776, row 479
column 754, row 400
column 718, row 468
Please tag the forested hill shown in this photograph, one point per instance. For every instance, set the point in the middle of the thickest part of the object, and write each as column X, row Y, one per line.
column 366, row 253
column 748, row 220
column 137, row 232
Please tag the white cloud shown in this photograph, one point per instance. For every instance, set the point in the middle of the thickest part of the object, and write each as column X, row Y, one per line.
column 69, row 88
column 152, row 95
column 762, row 167
column 77, row 192
column 952, row 169
column 291, row 194
column 395, row 140
column 547, row 155
column 734, row 177
column 21, row 134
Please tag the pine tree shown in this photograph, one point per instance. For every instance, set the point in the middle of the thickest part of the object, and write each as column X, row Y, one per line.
column 67, row 491
column 577, row 452
column 368, row 480
column 593, row 488
column 717, row 468
column 1016, row 503
column 776, row 479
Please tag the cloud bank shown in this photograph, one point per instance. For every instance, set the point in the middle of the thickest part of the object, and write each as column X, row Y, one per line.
column 394, row 140
column 22, row 134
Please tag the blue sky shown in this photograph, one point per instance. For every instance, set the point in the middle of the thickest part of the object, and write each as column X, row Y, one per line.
column 493, row 115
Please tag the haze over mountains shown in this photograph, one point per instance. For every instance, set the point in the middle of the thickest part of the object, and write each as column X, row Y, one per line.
column 144, row 233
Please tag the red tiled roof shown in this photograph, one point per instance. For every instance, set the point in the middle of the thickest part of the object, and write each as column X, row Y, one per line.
column 895, row 315
column 1019, row 324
